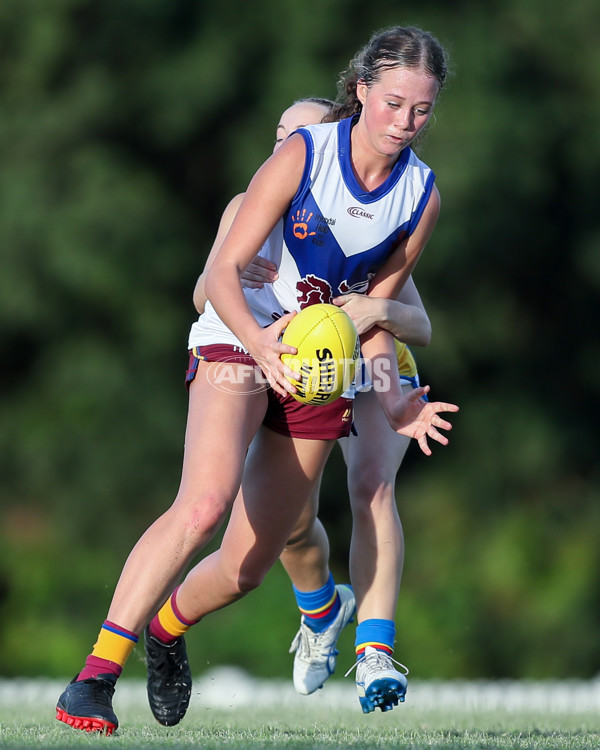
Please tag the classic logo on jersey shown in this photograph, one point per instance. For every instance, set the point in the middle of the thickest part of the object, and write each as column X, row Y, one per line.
column 359, row 213
column 312, row 290
column 300, row 224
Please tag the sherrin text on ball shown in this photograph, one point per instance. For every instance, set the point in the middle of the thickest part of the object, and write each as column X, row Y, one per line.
column 328, row 348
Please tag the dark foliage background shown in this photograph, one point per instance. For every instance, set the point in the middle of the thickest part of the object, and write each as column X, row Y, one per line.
column 125, row 127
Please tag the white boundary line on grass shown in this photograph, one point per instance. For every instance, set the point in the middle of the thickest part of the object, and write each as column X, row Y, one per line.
column 229, row 687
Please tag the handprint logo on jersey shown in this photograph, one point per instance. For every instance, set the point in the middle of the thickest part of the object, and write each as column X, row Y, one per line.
column 312, row 290
column 300, row 226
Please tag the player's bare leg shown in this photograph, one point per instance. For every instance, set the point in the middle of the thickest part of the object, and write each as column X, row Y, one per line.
column 306, row 560
column 280, row 475
column 377, row 550
column 306, row 554
column 212, row 468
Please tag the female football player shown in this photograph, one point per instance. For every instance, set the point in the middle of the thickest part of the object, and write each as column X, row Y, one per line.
column 373, row 456
column 310, row 187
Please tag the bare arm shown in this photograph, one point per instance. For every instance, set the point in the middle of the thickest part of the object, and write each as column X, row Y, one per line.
column 405, row 317
column 260, row 271
column 409, row 415
column 269, row 194
column 224, row 225
column 391, row 278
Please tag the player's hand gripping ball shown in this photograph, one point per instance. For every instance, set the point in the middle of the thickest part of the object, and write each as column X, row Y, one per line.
column 328, row 348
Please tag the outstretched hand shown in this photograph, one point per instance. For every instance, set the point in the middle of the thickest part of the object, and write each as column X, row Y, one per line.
column 419, row 419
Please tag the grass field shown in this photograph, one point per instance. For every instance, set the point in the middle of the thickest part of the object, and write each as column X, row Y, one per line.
column 231, row 710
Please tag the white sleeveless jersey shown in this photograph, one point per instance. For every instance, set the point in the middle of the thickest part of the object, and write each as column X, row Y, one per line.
column 334, row 236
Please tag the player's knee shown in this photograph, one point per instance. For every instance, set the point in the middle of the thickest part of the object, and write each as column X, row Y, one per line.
column 307, row 529
column 370, row 493
column 249, row 578
column 300, row 536
column 364, row 485
column 200, row 518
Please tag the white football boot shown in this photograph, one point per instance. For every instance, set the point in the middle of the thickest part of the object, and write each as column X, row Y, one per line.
column 316, row 652
column 379, row 685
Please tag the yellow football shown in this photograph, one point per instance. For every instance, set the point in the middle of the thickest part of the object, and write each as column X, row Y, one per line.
column 328, row 347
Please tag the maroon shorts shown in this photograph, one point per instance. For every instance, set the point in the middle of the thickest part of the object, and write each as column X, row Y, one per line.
column 284, row 414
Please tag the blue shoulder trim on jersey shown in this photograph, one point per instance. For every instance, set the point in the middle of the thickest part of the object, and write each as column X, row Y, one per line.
column 310, row 151
column 344, row 152
column 344, row 129
column 416, row 217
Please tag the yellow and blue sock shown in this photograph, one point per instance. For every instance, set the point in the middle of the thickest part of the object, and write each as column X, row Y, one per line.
column 319, row 607
column 169, row 623
column 380, row 634
column 110, row 652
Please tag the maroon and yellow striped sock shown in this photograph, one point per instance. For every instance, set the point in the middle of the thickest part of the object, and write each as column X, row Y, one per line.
column 110, row 652
column 169, row 623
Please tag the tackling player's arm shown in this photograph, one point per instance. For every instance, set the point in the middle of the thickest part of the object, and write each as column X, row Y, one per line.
column 224, row 225
column 394, row 273
column 260, row 271
column 404, row 317
column 378, row 344
column 390, row 279
column 388, row 282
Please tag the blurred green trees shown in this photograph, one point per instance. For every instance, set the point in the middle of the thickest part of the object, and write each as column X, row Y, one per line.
column 125, row 127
